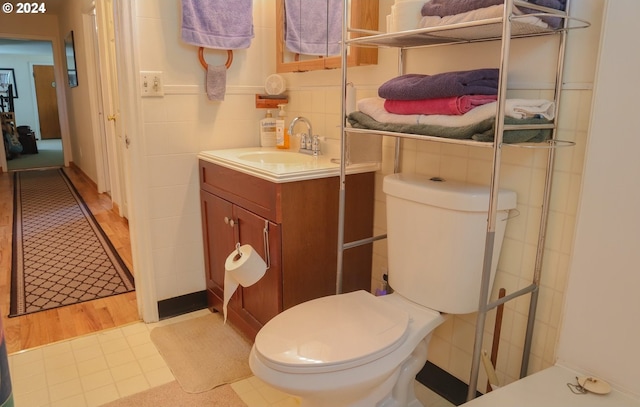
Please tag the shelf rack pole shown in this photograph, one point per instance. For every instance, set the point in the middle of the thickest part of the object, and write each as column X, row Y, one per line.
column 544, row 216
column 343, row 149
column 483, row 307
column 397, row 158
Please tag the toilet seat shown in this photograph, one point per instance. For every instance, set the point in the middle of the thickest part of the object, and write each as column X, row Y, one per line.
column 332, row 333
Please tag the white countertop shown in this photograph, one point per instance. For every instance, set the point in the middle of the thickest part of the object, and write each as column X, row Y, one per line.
column 298, row 167
column 549, row 388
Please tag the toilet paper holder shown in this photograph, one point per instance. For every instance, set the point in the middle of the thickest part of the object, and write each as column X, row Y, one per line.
column 265, row 236
column 265, row 233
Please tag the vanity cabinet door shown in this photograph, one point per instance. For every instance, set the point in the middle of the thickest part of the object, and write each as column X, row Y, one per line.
column 260, row 302
column 219, row 240
column 224, row 224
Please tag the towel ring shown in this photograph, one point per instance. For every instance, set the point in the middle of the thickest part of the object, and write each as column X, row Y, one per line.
column 204, row 63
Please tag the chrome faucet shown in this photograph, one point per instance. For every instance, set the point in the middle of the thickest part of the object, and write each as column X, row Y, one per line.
column 309, row 143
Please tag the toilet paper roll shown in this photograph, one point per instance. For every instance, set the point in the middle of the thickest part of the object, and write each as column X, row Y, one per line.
column 245, row 270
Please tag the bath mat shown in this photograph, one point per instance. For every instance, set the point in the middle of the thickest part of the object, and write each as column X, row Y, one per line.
column 203, row 352
column 61, row 255
column 171, row 395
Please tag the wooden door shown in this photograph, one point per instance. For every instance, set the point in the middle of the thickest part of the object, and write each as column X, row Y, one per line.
column 45, row 84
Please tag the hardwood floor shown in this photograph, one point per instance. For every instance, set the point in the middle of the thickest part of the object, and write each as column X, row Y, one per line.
column 49, row 326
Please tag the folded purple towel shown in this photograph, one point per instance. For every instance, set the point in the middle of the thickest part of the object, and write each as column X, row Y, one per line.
column 555, row 4
column 553, row 22
column 443, row 8
column 443, row 85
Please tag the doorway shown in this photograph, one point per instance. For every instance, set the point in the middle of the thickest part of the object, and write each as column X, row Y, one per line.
column 111, row 158
column 36, row 103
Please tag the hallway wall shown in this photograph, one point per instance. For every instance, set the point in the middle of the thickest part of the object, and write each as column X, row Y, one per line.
column 79, row 101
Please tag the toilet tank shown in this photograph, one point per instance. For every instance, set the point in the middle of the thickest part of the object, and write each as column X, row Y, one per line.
column 436, row 233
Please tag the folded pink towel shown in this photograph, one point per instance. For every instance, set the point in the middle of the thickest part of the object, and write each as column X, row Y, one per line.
column 454, row 105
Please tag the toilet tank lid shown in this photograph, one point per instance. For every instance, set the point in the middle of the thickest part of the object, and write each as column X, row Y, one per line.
column 436, row 191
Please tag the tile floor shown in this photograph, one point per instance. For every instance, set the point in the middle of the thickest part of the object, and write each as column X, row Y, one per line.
column 95, row 369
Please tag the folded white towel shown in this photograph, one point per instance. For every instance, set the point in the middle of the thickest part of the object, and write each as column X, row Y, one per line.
column 517, row 108
column 527, row 108
column 479, row 14
column 406, row 15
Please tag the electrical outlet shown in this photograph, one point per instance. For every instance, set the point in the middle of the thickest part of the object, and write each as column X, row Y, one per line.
column 151, row 83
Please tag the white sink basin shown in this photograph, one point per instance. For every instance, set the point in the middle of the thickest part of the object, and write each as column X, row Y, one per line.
column 281, row 166
column 276, row 157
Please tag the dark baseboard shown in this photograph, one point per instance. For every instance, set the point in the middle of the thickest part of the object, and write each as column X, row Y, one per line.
column 183, row 304
column 444, row 384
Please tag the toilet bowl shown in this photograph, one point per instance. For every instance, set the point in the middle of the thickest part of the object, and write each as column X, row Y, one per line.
column 355, row 350
column 359, row 350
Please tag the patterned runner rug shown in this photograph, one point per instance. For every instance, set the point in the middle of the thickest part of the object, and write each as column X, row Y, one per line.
column 61, row 256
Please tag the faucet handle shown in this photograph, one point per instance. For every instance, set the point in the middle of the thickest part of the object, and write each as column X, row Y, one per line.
column 315, row 144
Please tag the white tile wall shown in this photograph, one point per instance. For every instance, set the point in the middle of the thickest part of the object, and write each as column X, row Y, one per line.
column 182, row 123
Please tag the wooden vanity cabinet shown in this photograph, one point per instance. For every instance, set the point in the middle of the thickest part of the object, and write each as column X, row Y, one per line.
column 302, row 222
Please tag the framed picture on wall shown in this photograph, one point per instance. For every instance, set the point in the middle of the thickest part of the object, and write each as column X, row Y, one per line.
column 8, row 77
column 70, row 52
column 73, row 78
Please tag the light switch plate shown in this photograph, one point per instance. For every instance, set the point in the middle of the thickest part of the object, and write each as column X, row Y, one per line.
column 151, row 83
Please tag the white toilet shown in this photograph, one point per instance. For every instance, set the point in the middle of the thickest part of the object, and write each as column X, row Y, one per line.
column 356, row 349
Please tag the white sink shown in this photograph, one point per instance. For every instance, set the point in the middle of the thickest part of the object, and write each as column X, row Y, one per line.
column 281, row 165
column 276, row 157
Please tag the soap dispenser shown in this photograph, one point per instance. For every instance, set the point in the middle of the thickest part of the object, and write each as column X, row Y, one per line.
column 268, row 131
column 282, row 131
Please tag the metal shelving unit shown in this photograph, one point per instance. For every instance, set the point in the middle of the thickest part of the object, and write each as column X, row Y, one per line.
column 504, row 29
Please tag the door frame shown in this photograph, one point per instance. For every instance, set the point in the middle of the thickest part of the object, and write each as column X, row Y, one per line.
column 113, row 129
column 132, row 167
column 136, row 181
column 101, row 153
column 60, row 76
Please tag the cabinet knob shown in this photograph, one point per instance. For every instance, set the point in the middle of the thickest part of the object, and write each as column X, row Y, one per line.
column 229, row 221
